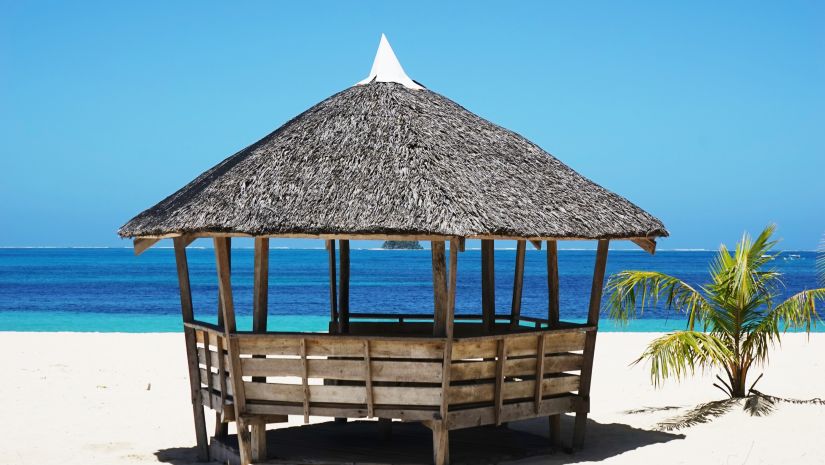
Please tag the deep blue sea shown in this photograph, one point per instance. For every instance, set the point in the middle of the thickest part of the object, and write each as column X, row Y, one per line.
column 110, row 289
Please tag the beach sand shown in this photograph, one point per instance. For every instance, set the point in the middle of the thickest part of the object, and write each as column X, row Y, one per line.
column 74, row 398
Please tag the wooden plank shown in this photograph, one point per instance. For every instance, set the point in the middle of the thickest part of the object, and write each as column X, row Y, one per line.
column 349, row 370
column 539, row 371
column 518, row 284
column 260, row 300
column 213, row 380
column 228, row 243
column 368, row 378
column 441, row 443
column 260, row 294
column 472, row 417
column 488, row 284
column 191, row 349
column 340, row 346
column 449, row 320
column 141, row 245
column 208, row 363
column 305, row 392
column 343, row 411
column 343, row 289
column 553, row 283
column 521, row 367
column 501, row 357
column 333, row 291
column 439, row 288
column 486, row 392
column 647, row 244
column 383, row 395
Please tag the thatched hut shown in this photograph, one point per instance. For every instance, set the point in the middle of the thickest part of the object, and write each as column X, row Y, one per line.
column 388, row 159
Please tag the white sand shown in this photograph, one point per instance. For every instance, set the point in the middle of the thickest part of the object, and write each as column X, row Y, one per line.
column 84, row 398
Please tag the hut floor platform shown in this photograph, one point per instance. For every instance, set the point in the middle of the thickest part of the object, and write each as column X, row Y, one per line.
column 362, row 442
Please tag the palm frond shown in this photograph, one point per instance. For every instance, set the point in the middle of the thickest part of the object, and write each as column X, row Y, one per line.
column 676, row 354
column 630, row 292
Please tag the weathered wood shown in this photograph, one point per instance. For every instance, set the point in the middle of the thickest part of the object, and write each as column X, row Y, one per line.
column 227, row 241
column 590, row 343
column 339, row 410
column 228, row 310
column 441, row 443
column 536, row 244
column 260, row 299
column 553, row 283
column 343, row 289
column 515, row 367
column 368, row 378
column 486, row 391
column 647, row 244
column 501, row 357
column 318, row 393
column 261, row 285
column 439, row 288
column 448, row 332
column 518, row 284
column 190, row 339
column 305, row 392
column 488, row 284
column 539, row 370
column 333, row 291
column 141, row 245
column 207, row 359
column 520, row 345
column 348, row 370
column 467, row 418
column 341, row 346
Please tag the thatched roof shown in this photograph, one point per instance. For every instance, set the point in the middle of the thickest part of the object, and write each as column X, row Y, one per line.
column 382, row 158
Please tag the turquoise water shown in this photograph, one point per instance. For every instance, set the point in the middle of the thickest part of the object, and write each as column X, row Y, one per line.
column 111, row 290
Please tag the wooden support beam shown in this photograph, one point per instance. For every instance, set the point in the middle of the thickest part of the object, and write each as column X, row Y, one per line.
column 305, row 379
column 590, row 342
column 536, row 244
column 553, row 283
column 333, row 278
column 501, row 359
column 539, row 385
column 647, row 244
column 141, row 245
column 260, row 300
column 441, row 433
column 439, row 288
column 190, row 340
column 343, row 289
column 368, row 378
column 228, row 244
column 221, row 426
column 518, row 284
column 228, row 311
column 488, row 284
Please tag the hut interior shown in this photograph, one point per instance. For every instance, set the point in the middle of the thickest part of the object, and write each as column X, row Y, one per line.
column 446, row 371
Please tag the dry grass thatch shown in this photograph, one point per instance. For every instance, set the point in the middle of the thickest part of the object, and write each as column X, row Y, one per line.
column 384, row 159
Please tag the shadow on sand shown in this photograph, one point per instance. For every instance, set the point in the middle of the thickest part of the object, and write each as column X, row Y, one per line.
column 410, row 443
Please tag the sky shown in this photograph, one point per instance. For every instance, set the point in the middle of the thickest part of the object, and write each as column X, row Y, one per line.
column 709, row 115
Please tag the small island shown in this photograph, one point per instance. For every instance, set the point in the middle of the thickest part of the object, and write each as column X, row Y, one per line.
column 401, row 245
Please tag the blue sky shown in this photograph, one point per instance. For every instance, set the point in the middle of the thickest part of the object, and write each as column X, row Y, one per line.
column 709, row 116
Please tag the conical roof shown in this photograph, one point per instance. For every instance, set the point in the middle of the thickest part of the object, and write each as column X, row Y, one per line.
column 390, row 157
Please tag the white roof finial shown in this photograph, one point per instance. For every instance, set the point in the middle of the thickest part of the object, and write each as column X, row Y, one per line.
column 386, row 68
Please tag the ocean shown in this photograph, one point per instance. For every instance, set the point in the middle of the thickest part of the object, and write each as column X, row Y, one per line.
column 112, row 290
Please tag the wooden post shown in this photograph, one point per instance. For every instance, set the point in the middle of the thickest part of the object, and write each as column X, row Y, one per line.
column 343, row 289
column 488, row 284
column 439, row 288
column 441, row 432
column 501, row 360
column 333, row 297
column 222, row 427
column 590, row 343
column 191, row 349
column 260, row 298
column 553, row 318
column 227, row 305
column 518, row 284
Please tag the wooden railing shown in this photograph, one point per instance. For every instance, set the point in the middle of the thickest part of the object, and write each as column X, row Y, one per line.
column 492, row 378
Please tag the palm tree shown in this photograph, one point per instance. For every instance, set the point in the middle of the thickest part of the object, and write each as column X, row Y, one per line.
column 733, row 320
